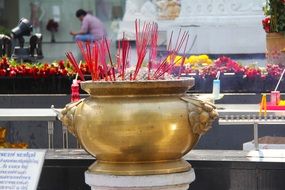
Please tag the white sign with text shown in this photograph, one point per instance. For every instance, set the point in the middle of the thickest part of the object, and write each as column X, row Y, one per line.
column 20, row 169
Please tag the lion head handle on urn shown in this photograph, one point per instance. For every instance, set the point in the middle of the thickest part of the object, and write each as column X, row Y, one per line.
column 201, row 114
column 66, row 116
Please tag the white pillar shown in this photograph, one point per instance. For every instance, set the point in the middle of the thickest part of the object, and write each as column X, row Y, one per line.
column 138, row 9
column 176, row 181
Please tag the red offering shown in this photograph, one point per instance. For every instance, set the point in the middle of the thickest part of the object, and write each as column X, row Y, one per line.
column 274, row 107
column 274, row 103
column 274, row 97
column 75, row 96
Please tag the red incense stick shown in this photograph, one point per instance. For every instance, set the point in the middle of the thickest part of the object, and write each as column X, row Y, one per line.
column 72, row 60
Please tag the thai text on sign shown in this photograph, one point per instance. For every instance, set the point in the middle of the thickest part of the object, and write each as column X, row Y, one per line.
column 20, row 169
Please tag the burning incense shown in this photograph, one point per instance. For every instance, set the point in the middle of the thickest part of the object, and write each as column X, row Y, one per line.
column 72, row 60
column 76, row 76
column 103, row 72
column 112, row 66
column 142, row 41
column 184, row 57
column 96, row 54
column 153, row 48
column 124, row 58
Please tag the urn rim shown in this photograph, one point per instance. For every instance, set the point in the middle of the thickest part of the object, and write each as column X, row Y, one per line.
column 142, row 87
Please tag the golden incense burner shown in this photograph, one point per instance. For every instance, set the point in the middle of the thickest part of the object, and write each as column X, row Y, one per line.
column 138, row 127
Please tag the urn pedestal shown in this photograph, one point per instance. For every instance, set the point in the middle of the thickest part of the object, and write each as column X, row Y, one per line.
column 176, row 181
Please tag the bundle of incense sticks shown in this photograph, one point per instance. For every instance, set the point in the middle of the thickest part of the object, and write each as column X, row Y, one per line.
column 96, row 54
column 73, row 61
column 124, row 50
column 153, row 48
column 166, row 66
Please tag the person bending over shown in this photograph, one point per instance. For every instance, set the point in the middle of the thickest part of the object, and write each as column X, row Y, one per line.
column 92, row 28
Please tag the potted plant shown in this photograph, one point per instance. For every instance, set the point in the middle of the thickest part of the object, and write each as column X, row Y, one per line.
column 274, row 26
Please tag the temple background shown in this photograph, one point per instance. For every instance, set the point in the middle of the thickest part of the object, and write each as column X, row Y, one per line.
column 215, row 27
column 61, row 10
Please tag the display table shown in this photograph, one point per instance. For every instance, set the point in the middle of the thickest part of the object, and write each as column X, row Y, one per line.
column 30, row 114
column 248, row 114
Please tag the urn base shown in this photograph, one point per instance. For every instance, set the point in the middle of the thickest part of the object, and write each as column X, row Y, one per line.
column 142, row 168
column 176, row 181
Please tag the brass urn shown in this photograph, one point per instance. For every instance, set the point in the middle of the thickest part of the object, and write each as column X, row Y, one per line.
column 138, row 127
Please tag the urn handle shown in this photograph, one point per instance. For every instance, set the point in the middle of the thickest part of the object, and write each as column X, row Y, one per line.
column 66, row 116
column 201, row 114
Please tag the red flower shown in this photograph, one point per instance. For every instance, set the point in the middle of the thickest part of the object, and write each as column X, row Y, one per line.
column 266, row 24
column 3, row 72
column 226, row 64
column 12, row 73
column 63, row 72
column 61, row 64
column 252, row 72
column 28, row 71
column 52, row 71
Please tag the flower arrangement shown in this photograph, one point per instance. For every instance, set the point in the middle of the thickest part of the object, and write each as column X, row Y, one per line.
column 193, row 62
column 227, row 65
column 275, row 18
column 274, row 71
column 63, row 70
column 253, row 71
column 224, row 65
column 37, row 78
column 10, row 68
column 203, row 60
